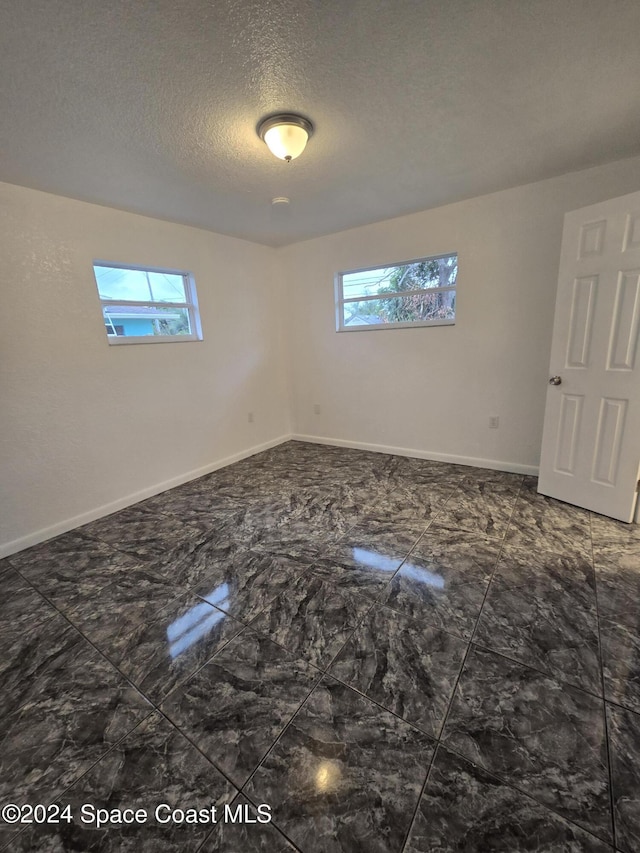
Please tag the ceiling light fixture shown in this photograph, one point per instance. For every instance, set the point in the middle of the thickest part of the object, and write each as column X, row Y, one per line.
column 286, row 135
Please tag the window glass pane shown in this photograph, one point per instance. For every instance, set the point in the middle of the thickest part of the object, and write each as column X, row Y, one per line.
column 114, row 328
column 140, row 321
column 139, row 285
column 419, row 308
column 419, row 275
column 365, row 283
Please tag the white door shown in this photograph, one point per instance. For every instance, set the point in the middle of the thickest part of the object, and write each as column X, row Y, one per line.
column 591, row 440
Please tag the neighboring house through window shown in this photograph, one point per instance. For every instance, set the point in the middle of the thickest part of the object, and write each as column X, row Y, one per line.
column 147, row 305
column 412, row 293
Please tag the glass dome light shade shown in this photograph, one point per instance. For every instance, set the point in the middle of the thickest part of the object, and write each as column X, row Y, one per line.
column 286, row 141
column 286, row 135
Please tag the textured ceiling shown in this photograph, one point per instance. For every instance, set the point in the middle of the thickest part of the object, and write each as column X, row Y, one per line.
column 151, row 105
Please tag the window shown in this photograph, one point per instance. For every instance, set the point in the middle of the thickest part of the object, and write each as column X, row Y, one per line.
column 114, row 330
column 147, row 305
column 414, row 293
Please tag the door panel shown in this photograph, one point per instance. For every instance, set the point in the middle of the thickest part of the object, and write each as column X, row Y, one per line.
column 608, row 441
column 584, row 296
column 632, row 232
column 591, row 440
column 568, row 432
column 592, row 239
column 624, row 328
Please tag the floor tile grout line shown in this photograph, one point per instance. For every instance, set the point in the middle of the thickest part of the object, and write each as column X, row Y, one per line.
column 508, row 587
column 373, row 601
column 358, row 593
column 195, row 672
column 102, row 757
column 523, row 792
column 150, row 565
column 626, row 708
column 158, row 708
column 321, row 675
column 448, row 631
column 184, row 734
column 296, row 577
column 92, row 539
column 171, row 516
column 422, row 621
column 350, row 637
column 115, row 666
column 155, row 707
column 183, row 590
column 147, row 566
column 298, row 656
column 547, row 674
column 519, row 586
column 252, row 630
column 326, row 671
column 278, row 827
column 604, row 694
column 540, row 546
column 393, row 713
column 420, row 796
column 143, row 563
column 107, row 752
column 455, row 687
column 470, row 641
column 86, row 639
column 248, row 627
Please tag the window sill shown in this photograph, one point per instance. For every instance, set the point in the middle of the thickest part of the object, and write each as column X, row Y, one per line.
column 125, row 340
column 376, row 327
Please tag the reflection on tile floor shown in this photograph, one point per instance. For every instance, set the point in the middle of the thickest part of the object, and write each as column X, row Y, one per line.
column 393, row 655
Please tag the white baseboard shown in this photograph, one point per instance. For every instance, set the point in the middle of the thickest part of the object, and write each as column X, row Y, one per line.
column 106, row 509
column 473, row 461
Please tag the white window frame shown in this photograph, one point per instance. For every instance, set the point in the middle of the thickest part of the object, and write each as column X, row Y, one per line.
column 191, row 305
column 374, row 327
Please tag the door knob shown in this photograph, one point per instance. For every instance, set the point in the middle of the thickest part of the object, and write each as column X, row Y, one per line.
column 555, row 380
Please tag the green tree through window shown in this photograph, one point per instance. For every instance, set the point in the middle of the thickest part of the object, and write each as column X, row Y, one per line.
column 421, row 276
column 421, row 292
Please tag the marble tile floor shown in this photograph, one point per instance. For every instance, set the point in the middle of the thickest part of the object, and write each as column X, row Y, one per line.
column 384, row 654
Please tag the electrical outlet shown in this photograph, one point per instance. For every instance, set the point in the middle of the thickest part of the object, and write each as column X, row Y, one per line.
column 316, row 409
column 250, row 417
column 494, row 422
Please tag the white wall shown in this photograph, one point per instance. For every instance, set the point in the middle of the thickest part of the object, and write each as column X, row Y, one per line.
column 86, row 428
column 431, row 391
